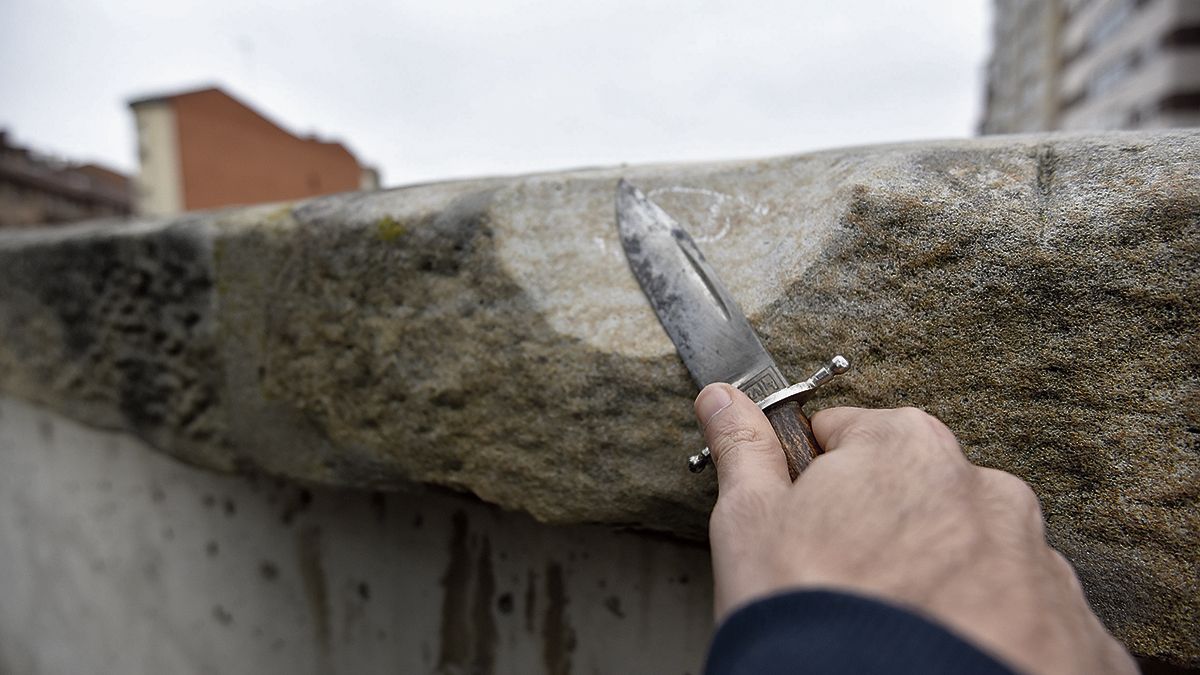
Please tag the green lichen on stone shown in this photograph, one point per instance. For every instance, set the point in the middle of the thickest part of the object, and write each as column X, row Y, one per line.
column 388, row 229
column 279, row 215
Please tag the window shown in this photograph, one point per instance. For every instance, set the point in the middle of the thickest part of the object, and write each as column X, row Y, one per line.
column 1183, row 101
column 1183, row 36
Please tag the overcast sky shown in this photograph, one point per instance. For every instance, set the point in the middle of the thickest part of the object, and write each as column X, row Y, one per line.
column 436, row 89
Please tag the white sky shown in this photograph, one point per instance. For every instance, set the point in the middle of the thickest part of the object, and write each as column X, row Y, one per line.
column 434, row 89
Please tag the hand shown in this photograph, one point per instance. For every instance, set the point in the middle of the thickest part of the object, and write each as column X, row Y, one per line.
column 894, row 510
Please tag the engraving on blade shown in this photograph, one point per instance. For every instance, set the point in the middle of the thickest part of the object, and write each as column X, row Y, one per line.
column 708, row 328
column 762, row 385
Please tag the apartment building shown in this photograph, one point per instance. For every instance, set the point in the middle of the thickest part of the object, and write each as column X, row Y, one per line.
column 1093, row 64
column 38, row 189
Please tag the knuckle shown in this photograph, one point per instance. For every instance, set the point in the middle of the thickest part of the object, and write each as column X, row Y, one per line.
column 918, row 419
column 1015, row 494
column 736, row 433
column 887, row 427
column 1017, row 490
column 932, row 432
column 912, row 416
column 867, row 431
column 1065, row 569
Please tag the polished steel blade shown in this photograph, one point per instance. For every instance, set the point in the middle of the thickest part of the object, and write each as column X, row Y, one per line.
column 708, row 328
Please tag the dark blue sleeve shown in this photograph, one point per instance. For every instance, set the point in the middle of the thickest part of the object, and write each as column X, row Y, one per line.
column 828, row 633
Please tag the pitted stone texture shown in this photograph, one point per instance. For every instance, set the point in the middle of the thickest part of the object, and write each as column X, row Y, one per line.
column 1039, row 294
column 115, row 323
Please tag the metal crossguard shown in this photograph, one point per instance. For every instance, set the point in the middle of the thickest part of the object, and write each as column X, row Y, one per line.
column 801, row 392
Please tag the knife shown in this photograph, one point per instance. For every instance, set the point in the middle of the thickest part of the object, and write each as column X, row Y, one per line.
column 710, row 332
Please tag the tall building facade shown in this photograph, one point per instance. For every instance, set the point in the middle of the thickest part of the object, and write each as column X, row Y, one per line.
column 1093, row 64
column 204, row 149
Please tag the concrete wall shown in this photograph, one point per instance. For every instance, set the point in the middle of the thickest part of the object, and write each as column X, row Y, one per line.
column 116, row 559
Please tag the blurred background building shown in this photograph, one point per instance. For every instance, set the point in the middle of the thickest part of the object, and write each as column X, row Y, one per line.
column 1093, row 64
column 203, row 149
column 37, row 189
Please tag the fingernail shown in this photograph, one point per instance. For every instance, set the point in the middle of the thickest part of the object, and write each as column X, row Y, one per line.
column 711, row 401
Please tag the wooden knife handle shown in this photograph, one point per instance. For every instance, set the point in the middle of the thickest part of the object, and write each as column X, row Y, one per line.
column 795, row 435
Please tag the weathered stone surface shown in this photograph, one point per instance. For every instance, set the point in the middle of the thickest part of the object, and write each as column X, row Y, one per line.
column 1039, row 294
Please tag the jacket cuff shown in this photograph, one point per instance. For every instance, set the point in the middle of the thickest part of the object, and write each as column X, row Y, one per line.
column 834, row 632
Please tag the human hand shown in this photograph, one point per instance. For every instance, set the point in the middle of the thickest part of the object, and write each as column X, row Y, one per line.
column 895, row 511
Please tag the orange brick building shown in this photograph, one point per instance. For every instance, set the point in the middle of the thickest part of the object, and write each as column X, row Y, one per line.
column 204, row 148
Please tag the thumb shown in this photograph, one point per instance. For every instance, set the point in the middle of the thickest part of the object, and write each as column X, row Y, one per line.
column 744, row 447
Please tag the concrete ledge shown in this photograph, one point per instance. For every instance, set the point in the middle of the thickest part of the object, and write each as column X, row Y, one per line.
column 1039, row 294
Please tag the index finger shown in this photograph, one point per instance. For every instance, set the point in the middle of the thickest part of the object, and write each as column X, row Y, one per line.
column 908, row 429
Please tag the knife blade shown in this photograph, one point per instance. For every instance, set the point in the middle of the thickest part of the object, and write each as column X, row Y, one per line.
column 708, row 328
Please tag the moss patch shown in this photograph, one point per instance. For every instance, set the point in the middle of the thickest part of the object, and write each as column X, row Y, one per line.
column 388, row 229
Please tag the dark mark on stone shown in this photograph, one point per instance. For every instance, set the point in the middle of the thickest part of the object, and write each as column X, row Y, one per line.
column 468, row 631
column 454, row 631
column 295, row 507
column 364, row 591
column 484, row 620
column 379, row 506
column 268, row 570
column 504, row 604
column 209, row 501
column 157, row 494
column 613, row 604
column 452, row 399
column 312, row 576
column 230, row 507
column 530, row 600
column 211, row 549
column 454, row 600
column 222, row 615
column 1047, row 162
column 558, row 637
